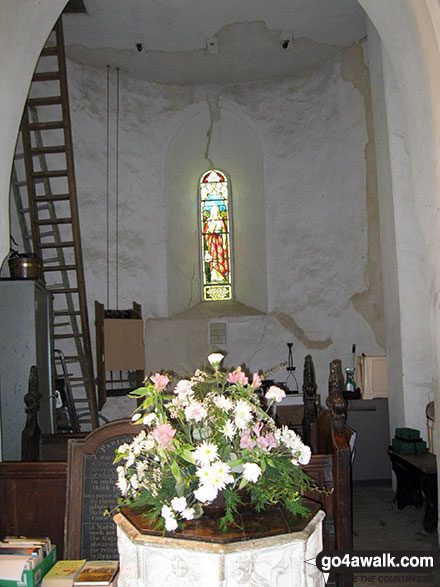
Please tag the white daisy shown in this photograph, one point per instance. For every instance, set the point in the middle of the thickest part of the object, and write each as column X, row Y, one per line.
column 205, row 453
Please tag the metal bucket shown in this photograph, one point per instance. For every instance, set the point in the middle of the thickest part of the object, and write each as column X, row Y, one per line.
column 25, row 266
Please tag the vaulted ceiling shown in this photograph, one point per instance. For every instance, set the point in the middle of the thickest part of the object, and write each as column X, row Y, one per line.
column 209, row 41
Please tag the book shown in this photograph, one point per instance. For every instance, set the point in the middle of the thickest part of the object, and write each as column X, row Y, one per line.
column 97, row 573
column 31, row 555
column 63, row 573
column 45, row 542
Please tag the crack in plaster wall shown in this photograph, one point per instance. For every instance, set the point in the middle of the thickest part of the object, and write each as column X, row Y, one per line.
column 289, row 323
column 369, row 303
column 213, row 99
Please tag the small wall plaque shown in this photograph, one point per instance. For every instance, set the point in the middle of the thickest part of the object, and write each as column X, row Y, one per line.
column 217, row 333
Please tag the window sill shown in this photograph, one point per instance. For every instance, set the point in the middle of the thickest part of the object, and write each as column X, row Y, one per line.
column 220, row 309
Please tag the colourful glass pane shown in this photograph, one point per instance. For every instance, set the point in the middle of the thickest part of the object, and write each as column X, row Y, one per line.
column 215, row 232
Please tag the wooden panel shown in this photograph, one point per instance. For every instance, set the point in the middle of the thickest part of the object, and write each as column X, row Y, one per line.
column 32, row 500
column 124, row 345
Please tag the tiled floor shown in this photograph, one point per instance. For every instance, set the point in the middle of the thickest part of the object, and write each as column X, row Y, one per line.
column 379, row 525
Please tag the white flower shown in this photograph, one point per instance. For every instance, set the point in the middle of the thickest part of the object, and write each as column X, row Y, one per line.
column 170, row 524
column 221, row 474
column 288, row 437
column 195, row 411
column 136, row 417
column 134, row 482
column 275, row 393
column 301, row 453
column 215, row 359
column 229, row 429
column 205, row 453
column 141, row 467
column 188, row 514
column 122, row 483
column 223, row 402
column 166, row 512
column 218, row 475
column 243, row 414
column 150, row 419
column 130, row 459
column 251, row 472
column 184, row 389
column 205, row 493
column 178, row 504
column 204, row 474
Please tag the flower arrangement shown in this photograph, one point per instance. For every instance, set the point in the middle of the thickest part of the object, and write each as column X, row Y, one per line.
column 210, row 436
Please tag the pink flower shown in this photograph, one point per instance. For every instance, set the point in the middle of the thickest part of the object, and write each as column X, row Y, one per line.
column 275, row 393
column 195, row 411
column 256, row 381
column 267, row 441
column 238, row 376
column 160, row 381
column 163, row 435
column 246, row 441
column 257, row 427
column 183, row 388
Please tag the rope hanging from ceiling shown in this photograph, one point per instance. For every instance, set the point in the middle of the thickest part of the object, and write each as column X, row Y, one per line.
column 108, row 207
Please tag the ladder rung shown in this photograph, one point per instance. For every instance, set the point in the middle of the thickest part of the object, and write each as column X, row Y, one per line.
column 48, row 150
column 59, row 245
column 50, row 221
column 46, row 101
column 48, row 233
column 49, row 173
column 44, row 76
column 66, row 290
column 77, row 379
column 51, row 260
column 58, row 336
column 66, row 313
column 49, row 51
column 46, row 125
column 18, row 156
column 41, row 207
column 52, row 198
column 59, row 324
column 72, row 359
column 60, row 268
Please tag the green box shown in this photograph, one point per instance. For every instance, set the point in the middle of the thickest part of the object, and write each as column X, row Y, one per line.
column 403, row 447
column 33, row 577
column 408, row 433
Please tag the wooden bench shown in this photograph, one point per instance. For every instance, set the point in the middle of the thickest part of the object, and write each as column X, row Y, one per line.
column 417, row 484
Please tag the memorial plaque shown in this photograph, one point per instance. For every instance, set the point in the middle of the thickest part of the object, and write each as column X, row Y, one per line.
column 92, row 490
column 98, row 532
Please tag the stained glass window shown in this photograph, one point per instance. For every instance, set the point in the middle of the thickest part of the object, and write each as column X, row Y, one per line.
column 215, row 236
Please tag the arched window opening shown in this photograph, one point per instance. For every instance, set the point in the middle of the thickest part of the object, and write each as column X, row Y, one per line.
column 215, row 236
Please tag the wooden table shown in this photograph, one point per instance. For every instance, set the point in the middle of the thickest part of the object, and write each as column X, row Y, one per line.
column 417, row 484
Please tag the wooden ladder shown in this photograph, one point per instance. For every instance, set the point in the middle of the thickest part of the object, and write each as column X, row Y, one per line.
column 54, row 220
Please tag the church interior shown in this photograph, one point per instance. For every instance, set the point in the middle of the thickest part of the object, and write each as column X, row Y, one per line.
column 321, row 117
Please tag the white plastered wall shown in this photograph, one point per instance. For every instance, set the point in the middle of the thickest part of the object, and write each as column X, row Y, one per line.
column 405, row 278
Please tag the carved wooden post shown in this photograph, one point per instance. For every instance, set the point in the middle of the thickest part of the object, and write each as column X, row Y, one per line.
column 309, row 424
column 341, row 462
column 30, row 437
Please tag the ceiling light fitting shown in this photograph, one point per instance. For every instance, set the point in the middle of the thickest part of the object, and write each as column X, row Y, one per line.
column 212, row 46
column 286, row 41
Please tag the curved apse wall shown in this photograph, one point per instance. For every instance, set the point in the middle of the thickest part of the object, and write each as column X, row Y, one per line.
column 224, row 140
